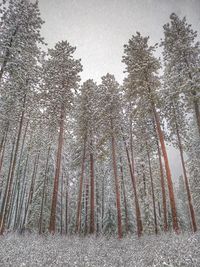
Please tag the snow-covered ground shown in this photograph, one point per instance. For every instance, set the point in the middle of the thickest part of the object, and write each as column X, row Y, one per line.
column 165, row 250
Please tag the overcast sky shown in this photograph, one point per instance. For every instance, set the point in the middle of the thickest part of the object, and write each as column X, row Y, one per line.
column 100, row 28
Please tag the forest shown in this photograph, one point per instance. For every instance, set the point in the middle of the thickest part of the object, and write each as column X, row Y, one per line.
column 82, row 159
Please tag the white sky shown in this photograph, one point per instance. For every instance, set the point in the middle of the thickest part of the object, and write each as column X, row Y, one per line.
column 100, row 28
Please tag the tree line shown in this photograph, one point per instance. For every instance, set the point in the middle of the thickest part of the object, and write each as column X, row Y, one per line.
column 88, row 158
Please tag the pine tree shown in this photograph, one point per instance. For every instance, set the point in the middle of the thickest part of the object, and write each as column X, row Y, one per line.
column 143, row 83
column 61, row 80
column 109, row 104
column 181, row 58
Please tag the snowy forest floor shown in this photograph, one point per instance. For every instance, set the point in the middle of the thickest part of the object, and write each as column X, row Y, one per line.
column 166, row 250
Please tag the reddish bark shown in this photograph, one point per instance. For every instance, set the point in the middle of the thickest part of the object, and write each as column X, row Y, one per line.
column 162, row 181
column 168, row 171
column 137, row 206
column 86, row 203
column 191, row 208
column 92, row 205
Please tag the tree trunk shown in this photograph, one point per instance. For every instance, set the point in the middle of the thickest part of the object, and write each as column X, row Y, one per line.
column 168, row 171
column 43, row 192
column 86, row 204
column 18, row 211
column 124, row 196
column 102, row 201
column 78, row 215
column 144, row 180
column 117, row 192
column 2, row 151
column 61, row 207
column 92, row 207
column 197, row 113
column 14, row 203
column 137, row 206
column 192, row 213
column 8, row 193
column 52, row 224
column 162, row 181
column 66, row 208
column 153, row 194
column 31, row 192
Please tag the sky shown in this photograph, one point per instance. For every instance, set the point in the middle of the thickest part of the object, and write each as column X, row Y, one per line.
column 100, row 28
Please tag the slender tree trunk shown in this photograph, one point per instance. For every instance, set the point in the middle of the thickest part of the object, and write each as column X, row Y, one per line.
column 31, row 191
column 159, row 209
column 92, row 205
column 78, row 215
column 124, row 196
column 7, row 185
column 197, row 113
column 117, row 191
column 2, row 150
column 137, row 206
column 192, row 213
column 15, row 191
column 162, row 181
column 131, row 145
column 52, row 224
column 8, row 193
column 168, row 171
column 86, row 204
column 18, row 211
column 102, row 201
column 144, row 180
column 153, row 194
column 61, row 207
column 97, row 209
column 43, row 192
column 66, row 209
column 12, row 203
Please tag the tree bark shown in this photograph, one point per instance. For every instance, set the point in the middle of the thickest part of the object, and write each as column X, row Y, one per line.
column 153, row 194
column 52, row 224
column 61, row 207
column 10, row 178
column 78, row 215
column 92, row 205
column 86, row 204
column 43, row 192
column 117, row 191
column 137, row 206
column 191, row 208
column 66, row 208
column 168, row 171
column 124, row 196
column 162, row 181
